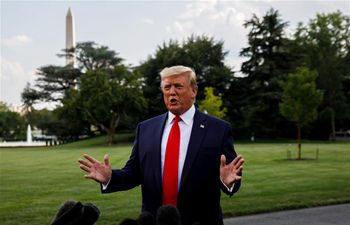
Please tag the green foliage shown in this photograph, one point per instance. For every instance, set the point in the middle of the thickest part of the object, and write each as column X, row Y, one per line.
column 201, row 53
column 268, row 63
column 300, row 98
column 30, row 96
column 91, row 56
column 51, row 85
column 105, row 98
column 267, row 44
column 237, row 103
column 61, row 85
column 12, row 125
column 3, row 106
column 53, row 82
column 45, row 120
column 71, row 124
column 212, row 104
column 323, row 45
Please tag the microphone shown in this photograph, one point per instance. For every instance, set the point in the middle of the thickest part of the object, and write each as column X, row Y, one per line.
column 146, row 218
column 168, row 215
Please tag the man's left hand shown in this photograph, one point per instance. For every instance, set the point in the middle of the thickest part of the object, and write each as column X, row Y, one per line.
column 231, row 172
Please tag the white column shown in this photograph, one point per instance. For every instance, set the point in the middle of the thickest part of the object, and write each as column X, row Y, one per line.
column 70, row 37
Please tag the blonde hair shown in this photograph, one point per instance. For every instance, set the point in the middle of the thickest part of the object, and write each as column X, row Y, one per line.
column 177, row 70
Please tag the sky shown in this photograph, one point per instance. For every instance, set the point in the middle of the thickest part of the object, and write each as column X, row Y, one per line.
column 33, row 32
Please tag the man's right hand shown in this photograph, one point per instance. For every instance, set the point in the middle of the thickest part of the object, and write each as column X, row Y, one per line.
column 98, row 171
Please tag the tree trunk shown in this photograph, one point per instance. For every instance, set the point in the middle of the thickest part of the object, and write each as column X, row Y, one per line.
column 111, row 130
column 111, row 138
column 332, row 136
column 299, row 140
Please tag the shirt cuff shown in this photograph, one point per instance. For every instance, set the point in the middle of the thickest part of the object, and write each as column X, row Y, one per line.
column 229, row 189
column 104, row 186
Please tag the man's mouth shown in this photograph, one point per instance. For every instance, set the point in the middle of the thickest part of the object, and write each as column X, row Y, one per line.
column 173, row 101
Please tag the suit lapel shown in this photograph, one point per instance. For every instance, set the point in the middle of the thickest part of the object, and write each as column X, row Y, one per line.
column 197, row 135
column 157, row 153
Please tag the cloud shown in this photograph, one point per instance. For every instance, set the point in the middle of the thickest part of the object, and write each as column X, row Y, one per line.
column 197, row 9
column 222, row 20
column 225, row 16
column 148, row 21
column 211, row 16
column 10, row 70
column 184, row 28
column 17, row 40
column 13, row 78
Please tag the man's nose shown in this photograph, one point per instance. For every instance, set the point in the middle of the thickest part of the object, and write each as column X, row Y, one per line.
column 172, row 90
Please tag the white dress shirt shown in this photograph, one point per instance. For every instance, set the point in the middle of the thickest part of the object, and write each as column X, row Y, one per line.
column 185, row 125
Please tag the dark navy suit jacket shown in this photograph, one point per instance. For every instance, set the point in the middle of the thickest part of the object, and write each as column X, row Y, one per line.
column 199, row 191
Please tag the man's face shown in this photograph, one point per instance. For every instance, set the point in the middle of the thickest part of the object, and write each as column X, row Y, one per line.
column 178, row 93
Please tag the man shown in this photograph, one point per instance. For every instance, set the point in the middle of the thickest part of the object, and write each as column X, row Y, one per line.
column 179, row 158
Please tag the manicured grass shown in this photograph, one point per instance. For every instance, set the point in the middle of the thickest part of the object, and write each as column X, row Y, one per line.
column 273, row 183
column 34, row 182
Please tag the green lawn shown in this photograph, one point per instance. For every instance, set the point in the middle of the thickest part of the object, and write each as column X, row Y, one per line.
column 34, row 182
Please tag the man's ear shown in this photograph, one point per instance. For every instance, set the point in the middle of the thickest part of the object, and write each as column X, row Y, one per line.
column 194, row 92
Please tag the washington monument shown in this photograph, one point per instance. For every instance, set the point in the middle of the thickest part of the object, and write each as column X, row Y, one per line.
column 70, row 37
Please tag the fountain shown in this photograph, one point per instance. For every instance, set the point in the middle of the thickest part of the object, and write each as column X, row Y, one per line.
column 29, row 135
column 28, row 143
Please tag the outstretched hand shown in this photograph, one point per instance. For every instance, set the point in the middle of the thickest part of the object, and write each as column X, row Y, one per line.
column 230, row 173
column 100, row 172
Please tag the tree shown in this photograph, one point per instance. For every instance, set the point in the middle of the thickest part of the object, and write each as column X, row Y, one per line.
column 205, row 55
column 70, row 125
column 212, row 104
column 300, row 99
column 12, row 124
column 105, row 98
column 46, row 120
column 29, row 97
column 268, row 63
column 91, row 56
column 236, row 100
column 324, row 45
column 3, row 106
column 52, row 84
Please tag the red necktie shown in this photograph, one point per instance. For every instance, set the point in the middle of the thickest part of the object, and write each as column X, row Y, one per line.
column 171, row 165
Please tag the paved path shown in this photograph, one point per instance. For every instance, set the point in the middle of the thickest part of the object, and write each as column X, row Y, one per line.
column 325, row 215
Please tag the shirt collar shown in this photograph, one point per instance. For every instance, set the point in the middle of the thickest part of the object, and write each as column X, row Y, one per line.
column 186, row 117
